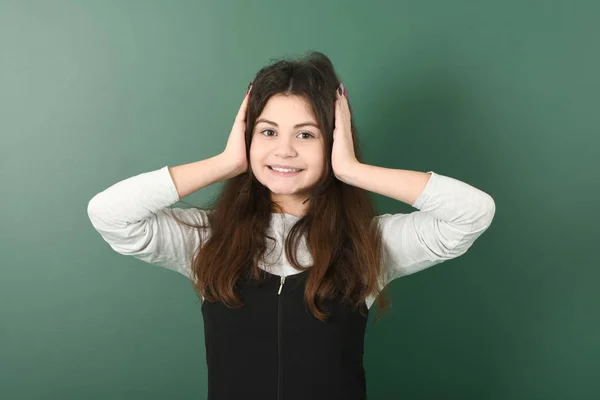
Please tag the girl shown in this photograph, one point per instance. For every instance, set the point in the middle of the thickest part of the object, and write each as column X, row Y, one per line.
column 290, row 256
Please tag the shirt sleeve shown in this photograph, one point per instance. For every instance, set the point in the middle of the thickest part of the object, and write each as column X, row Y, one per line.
column 451, row 216
column 134, row 218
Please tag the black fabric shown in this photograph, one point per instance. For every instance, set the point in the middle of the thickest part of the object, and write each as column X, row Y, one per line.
column 274, row 348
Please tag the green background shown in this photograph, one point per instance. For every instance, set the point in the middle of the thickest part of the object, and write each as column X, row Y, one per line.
column 502, row 95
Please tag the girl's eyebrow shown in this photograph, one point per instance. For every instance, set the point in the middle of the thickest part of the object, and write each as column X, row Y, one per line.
column 295, row 126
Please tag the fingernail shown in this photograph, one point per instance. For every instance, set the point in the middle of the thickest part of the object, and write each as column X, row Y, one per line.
column 345, row 91
column 249, row 86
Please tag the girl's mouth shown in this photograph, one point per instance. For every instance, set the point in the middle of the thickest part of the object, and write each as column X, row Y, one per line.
column 284, row 174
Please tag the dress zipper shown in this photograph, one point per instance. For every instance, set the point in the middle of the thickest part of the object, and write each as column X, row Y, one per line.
column 281, row 285
column 279, row 374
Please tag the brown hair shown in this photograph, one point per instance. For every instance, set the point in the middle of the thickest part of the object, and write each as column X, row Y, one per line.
column 341, row 232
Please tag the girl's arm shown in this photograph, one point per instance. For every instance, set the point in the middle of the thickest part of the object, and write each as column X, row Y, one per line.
column 452, row 215
column 134, row 216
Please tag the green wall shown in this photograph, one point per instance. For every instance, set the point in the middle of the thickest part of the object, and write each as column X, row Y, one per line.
column 500, row 94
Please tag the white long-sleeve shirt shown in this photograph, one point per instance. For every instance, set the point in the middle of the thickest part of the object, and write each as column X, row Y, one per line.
column 131, row 217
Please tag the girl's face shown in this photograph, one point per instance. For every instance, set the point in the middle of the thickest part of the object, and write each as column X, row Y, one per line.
column 286, row 133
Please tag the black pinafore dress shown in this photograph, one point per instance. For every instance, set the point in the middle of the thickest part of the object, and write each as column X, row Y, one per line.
column 273, row 348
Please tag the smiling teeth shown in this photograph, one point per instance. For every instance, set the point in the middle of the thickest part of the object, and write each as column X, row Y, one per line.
column 284, row 170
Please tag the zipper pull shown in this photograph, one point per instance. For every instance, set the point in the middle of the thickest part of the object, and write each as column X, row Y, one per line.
column 281, row 285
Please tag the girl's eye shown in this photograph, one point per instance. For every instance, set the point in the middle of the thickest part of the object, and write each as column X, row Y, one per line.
column 270, row 130
column 306, row 133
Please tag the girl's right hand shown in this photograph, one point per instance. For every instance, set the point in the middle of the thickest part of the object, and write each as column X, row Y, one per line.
column 235, row 151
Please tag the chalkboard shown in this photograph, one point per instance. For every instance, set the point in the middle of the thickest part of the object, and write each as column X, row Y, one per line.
column 501, row 95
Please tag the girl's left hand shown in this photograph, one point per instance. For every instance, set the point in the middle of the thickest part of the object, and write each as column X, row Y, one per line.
column 342, row 154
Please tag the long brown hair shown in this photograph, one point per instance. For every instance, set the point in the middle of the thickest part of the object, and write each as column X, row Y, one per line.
column 341, row 233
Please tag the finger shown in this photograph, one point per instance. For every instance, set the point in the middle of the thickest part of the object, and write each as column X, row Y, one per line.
column 241, row 115
column 339, row 112
column 343, row 101
column 342, row 93
column 338, row 97
column 339, row 94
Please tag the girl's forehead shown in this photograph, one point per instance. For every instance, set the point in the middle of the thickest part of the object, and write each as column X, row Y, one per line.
column 287, row 107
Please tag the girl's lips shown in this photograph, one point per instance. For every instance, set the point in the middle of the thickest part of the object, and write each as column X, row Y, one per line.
column 284, row 174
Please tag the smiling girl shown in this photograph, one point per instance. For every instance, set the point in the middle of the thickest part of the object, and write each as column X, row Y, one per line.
column 290, row 257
